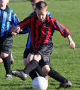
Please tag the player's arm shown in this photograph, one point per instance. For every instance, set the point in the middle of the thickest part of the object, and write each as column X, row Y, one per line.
column 61, row 28
column 25, row 31
column 64, row 32
column 28, row 29
column 25, row 23
column 22, row 26
column 15, row 19
column 71, row 42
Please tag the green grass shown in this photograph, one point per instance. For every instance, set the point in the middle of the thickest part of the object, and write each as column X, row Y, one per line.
column 63, row 59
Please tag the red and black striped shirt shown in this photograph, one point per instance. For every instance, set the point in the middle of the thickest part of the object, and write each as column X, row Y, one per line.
column 42, row 32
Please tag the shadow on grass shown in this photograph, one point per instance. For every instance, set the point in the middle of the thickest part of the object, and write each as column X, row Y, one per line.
column 16, row 86
column 76, row 83
column 11, row 84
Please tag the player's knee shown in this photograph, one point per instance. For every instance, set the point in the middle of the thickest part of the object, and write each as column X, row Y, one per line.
column 4, row 55
column 1, row 60
column 30, row 57
column 37, row 57
column 46, row 69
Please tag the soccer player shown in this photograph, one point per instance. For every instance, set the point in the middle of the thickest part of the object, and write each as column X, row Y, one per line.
column 27, row 49
column 7, row 19
column 42, row 28
column 33, row 73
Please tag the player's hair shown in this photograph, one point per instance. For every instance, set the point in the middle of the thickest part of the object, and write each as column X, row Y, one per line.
column 34, row 1
column 41, row 5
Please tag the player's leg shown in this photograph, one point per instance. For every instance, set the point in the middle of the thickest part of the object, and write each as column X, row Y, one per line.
column 28, row 68
column 5, row 54
column 37, row 57
column 38, row 69
column 27, row 59
column 64, row 83
column 33, row 63
column 0, row 56
column 33, row 73
column 6, row 61
column 11, row 57
column 1, row 60
column 52, row 73
column 41, row 64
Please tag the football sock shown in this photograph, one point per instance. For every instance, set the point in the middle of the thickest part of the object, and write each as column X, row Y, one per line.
column 33, row 74
column 57, row 76
column 7, row 64
column 31, row 66
column 39, row 70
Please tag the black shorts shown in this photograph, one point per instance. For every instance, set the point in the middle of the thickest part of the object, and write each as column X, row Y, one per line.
column 27, row 51
column 6, row 43
column 45, row 51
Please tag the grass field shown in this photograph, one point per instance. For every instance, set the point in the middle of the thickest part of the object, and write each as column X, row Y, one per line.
column 63, row 59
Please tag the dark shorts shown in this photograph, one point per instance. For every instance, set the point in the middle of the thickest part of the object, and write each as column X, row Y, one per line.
column 45, row 52
column 6, row 44
column 41, row 63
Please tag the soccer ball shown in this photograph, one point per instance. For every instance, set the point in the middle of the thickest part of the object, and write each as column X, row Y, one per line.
column 39, row 83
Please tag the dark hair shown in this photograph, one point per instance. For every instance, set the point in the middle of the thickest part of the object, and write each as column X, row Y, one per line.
column 41, row 5
column 32, row 1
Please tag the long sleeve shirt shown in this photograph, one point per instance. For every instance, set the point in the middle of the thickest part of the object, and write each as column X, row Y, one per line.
column 42, row 32
column 7, row 19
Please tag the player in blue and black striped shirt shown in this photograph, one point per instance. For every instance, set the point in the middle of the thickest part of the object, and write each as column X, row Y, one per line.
column 7, row 19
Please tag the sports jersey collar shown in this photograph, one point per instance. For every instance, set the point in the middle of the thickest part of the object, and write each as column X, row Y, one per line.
column 46, row 21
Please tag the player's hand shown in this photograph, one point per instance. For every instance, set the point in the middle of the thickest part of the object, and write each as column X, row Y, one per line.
column 14, row 33
column 72, row 44
column 15, row 29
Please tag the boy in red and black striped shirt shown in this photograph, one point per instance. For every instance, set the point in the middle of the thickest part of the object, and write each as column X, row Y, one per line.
column 42, row 28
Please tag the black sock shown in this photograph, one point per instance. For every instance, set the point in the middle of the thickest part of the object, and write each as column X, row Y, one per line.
column 33, row 74
column 39, row 70
column 31, row 66
column 57, row 76
column 7, row 64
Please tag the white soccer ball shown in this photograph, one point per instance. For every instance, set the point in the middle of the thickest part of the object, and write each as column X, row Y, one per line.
column 39, row 83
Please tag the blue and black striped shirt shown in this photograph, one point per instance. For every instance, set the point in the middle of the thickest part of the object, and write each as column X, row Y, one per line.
column 7, row 19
